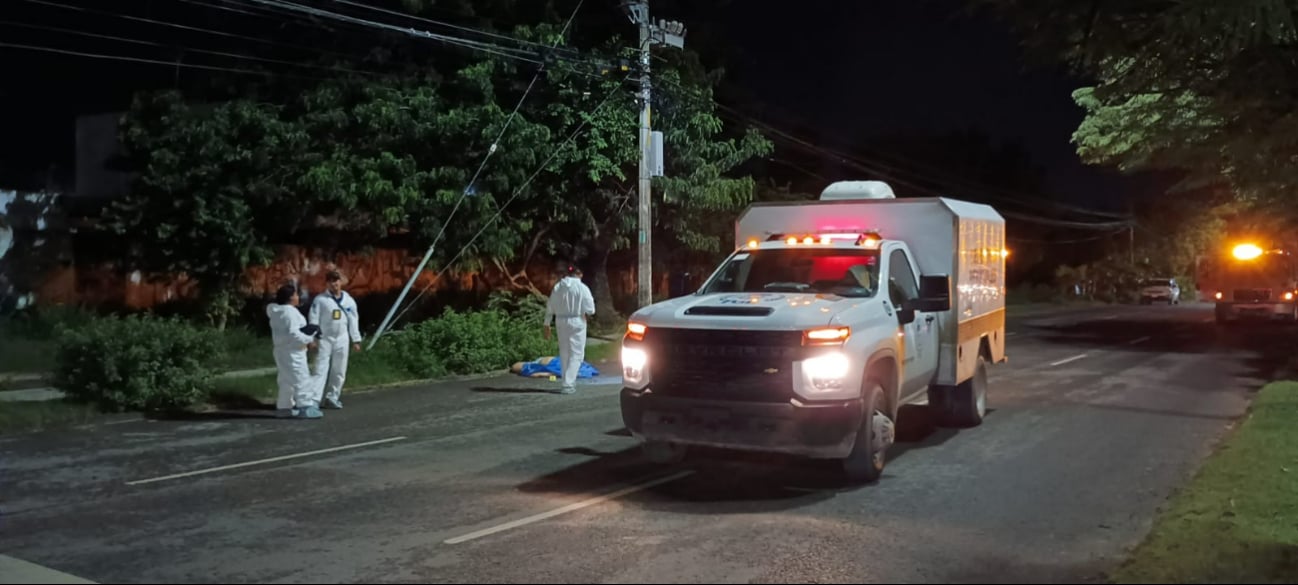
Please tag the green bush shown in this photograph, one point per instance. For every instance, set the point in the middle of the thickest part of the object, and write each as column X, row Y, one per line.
column 469, row 343
column 137, row 363
column 525, row 308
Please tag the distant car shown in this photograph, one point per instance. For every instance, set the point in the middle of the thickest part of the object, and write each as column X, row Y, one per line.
column 1160, row 290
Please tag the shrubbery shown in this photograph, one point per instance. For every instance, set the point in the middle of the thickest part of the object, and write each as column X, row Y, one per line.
column 147, row 363
column 471, row 343
column 137, row 363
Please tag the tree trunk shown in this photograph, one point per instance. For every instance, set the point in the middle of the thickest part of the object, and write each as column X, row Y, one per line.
column 219, row 305
column 605, row 312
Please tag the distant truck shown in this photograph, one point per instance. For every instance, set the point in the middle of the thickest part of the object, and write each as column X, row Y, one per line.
column 1251, row 284
column 828, row 317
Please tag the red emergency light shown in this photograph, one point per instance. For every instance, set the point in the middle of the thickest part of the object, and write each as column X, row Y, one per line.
column 869, row 239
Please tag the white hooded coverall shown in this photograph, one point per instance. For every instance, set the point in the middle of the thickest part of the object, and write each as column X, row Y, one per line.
column 340, row 327
column 296, row 388
column 570, row 304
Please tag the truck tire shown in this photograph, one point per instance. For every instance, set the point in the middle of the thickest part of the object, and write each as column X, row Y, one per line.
column 965, row 405
column 663, row 453
column 870, row 452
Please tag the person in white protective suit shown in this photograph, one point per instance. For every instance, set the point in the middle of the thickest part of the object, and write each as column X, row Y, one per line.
column 571, row 306
column 335, row 312
column 292, row 338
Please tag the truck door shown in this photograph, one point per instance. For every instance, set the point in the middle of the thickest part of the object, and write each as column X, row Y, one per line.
column 921, row 336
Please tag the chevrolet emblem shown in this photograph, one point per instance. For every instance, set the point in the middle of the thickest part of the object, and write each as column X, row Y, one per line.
column 771, row 371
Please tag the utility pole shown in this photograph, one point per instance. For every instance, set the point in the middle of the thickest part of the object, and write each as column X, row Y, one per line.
column 663, row 33
column 1131, row 242
column 1131, row 232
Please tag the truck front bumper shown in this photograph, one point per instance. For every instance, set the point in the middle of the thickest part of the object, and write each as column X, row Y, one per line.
column 1235, row 311
column 817, row 430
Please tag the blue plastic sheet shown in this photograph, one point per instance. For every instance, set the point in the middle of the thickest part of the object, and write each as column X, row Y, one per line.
column 551, row 366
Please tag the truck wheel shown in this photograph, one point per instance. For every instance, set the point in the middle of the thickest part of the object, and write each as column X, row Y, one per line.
column 663, row 453
column 965, row 405
column 877, row 433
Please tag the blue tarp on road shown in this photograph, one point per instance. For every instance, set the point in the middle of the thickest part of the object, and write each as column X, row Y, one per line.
column 551, row 367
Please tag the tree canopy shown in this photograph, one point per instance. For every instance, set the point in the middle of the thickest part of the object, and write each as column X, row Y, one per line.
column 1204, row 87
column 388, row 149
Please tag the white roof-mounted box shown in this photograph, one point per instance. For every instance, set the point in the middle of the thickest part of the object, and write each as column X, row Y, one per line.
column 857, row 190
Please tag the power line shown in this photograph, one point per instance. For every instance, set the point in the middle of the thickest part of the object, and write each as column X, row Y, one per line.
column 476, row 45
column 150, row 61
column 1072, row 241
column 447, row 24
column 1066, row 223
column 960, row 181
column 554, row 153
column 892, row 174
column 895, row 178
column 922, row 189
column 183, row 47
column 229, row 9
column 189, row 28
column 468, row 188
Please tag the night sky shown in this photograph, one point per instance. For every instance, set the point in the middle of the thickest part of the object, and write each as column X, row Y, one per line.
column 847, row 71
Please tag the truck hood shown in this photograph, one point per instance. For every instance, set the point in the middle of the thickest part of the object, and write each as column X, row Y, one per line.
column 769, row 311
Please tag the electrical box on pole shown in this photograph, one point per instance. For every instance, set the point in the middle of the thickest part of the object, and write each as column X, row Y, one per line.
column 656, row 162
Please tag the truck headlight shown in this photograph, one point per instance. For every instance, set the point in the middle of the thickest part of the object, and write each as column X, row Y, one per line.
column 634, row 360
column 827, row 372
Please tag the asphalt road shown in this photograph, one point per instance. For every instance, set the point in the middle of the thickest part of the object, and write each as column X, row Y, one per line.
column 1099, row 415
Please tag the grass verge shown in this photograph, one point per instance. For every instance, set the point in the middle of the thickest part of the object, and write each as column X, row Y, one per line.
column 1237, row 521
column 364, row 370
column 18, row 354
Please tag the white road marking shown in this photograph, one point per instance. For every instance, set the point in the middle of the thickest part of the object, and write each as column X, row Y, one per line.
column 1138, row 341
column 566, row 509
column 264, row 461
column 1070, row 360
column 19, row 571
column 1011, row 334
column 1109, row 318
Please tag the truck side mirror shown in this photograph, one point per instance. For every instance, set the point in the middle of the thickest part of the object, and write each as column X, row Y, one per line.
column 934, row 295
column 905, row 316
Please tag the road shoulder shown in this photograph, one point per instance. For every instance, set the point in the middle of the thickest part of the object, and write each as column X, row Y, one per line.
column 1235, row 521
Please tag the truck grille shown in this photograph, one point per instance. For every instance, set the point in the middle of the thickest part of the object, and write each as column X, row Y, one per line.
column 1252, row 295
column 740, row 366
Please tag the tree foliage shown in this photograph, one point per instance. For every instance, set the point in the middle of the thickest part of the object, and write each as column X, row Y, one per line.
column 390, row 152
column 213, row 192
column 1205, row 87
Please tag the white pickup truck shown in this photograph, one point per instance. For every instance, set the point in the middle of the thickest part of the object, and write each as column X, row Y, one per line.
column 827, row 318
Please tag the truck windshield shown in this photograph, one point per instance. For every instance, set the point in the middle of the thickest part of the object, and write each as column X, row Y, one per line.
column 843, row 272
